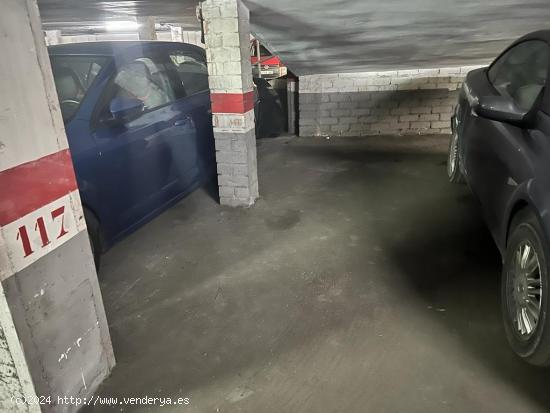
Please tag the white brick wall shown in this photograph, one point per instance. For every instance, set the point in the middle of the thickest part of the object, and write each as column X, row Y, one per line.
column 390, row 102
column 449, row 78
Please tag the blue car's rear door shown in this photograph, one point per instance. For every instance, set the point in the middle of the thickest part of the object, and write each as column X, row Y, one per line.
column 195, row 154
column 135, row 156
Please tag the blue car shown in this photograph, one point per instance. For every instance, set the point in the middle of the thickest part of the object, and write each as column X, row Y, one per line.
column 139, row 125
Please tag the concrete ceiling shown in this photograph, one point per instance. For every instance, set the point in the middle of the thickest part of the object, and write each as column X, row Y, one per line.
column 88, row 16
column 323, row 36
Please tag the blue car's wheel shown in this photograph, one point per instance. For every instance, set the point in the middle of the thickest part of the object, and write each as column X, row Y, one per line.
column 94, row 234
column 525, row 290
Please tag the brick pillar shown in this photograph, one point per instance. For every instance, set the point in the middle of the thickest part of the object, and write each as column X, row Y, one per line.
column 54, row 338
column 227, row 32
column 146, row 28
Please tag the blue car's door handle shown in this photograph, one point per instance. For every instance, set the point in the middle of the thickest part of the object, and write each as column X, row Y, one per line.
column 182, row 122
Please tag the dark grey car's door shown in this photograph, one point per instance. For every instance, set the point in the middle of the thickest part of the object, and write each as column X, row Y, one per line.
column 496, row 153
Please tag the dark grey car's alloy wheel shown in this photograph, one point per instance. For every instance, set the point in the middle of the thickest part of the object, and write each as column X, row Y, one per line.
column 524, row 290
column 453, row 161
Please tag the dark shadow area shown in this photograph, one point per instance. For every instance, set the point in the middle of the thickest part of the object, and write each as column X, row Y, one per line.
column 434, row 232
column 210, row 187
column 270, row 113
column 451, row 262
column 441, row 246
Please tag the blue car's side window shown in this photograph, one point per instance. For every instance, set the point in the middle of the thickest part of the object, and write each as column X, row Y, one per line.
column 73, row 75
column 192, row 73
column 146, row 80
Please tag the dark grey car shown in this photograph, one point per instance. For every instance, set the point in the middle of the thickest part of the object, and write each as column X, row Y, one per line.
column 501, row 147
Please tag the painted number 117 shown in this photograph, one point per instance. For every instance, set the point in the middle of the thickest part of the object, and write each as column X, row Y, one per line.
column 40, row 226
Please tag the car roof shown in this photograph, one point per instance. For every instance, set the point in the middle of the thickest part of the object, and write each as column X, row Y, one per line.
column 538, row 35
column 112, row 48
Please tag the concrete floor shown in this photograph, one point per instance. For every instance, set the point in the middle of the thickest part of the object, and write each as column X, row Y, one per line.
column 360, row 281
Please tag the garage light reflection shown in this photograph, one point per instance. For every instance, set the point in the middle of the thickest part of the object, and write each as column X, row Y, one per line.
column 121, row 26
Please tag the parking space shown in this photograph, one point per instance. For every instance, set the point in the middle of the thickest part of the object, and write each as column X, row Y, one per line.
column 250, row 206
column 360, row 281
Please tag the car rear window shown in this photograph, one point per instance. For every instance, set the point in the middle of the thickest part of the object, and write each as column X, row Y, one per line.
column 73, row 76
column 192, row 72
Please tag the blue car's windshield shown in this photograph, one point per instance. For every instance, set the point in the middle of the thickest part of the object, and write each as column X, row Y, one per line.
column 73, row 76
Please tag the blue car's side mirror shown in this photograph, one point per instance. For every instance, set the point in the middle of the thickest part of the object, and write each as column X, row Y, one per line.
column 125, row 108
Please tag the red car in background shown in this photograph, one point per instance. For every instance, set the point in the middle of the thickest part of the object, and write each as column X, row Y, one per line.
column 265, row 64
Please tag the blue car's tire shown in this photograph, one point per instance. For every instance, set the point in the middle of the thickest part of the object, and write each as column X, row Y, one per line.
column 94, row 234
column 524, row 292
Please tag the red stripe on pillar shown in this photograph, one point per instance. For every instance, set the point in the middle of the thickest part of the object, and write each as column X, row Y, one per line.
column 31, row 185
column 232, row 102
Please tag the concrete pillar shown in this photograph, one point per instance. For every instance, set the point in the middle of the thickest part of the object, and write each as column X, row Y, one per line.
column 227, row 33
column 146, row 28
column 53, row 37
column 15, row 380
column 192, row 37
column 292, row 97
column 54, row 338
column 176, row 33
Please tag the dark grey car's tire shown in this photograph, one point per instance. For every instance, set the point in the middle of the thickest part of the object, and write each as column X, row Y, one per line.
column 524, row 292
column 454, row 170
column 94, row 233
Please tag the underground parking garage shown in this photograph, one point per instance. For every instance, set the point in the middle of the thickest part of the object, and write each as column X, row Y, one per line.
column 248, row 206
